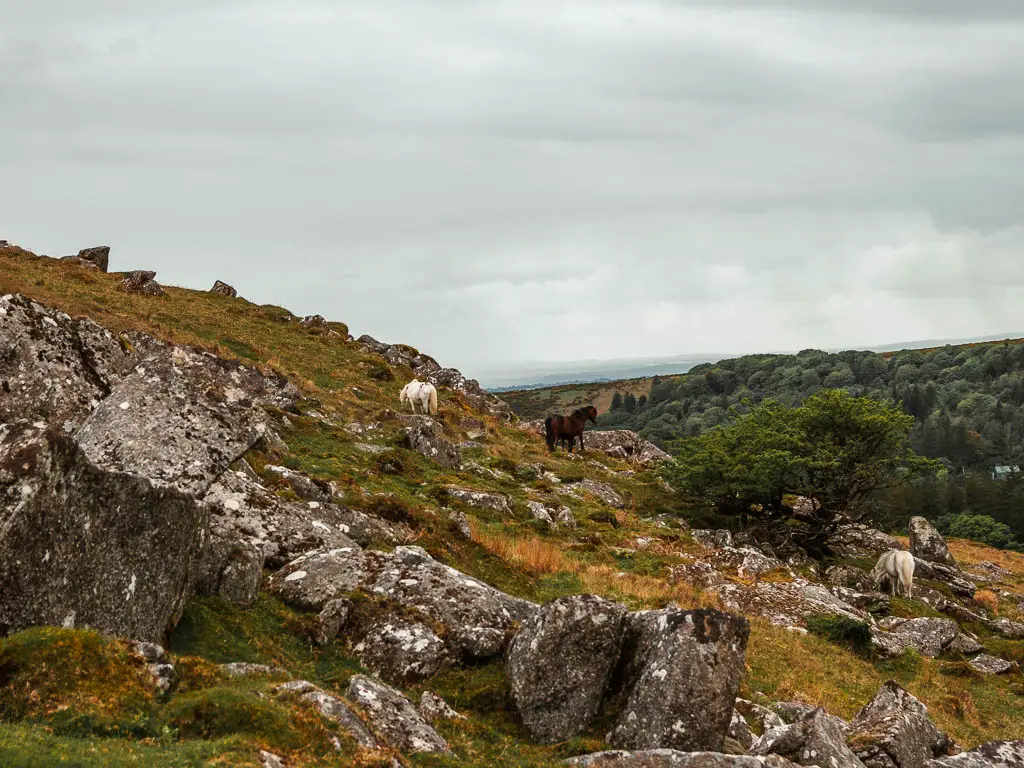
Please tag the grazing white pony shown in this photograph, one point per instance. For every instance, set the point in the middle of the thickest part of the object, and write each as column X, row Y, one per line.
column 423, row 391
column 897, row 566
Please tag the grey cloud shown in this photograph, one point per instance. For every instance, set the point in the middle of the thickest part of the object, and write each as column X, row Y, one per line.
column 525, row 178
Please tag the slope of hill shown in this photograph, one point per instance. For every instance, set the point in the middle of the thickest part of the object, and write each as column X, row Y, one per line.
column 478, row 494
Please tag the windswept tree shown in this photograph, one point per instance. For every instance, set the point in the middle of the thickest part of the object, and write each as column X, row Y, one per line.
column 835, row 451
column 616, row 401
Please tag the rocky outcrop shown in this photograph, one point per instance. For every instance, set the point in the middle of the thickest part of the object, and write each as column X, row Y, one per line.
column 625, row 444
column 304, row 486
column 928, row 636
column 224, row 289
column 682, row 679
column 560, row 662
column 786, row 603
column 671, row 758
column 393, row 716
column 760, row 716
column 475, row 617
column 426, row 436
column 103, row 526
column 926, row 543
column 849, row 576
column 995, row 754
column 815, row 739
column 553, row 515
column 141, row 281
column 335, row 709
column 894, row 731
column 602, row 491
column 52, row 368
column 436, row 710
column 427, row 368
column 951, row 577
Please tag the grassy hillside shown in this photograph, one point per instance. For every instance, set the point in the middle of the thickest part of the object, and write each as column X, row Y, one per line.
column 532, row 404
column 57, row 708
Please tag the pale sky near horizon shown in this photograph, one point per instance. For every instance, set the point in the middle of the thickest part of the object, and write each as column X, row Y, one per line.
column 531, row 180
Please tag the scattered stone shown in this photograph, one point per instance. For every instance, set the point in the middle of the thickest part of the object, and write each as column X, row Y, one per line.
column 682, row 679
column 928, row 636
column 991, row 665
column 815, row 739
column 849, row 576
column 224, row 289
column 670, row 758
column 540, row 512
column 603, row 491
column 334, row 709
column 435, row 709
column 247, row 669
column 394, row 717
column 950, row 576
column 494, row 502
column 926, row 543
column 270, row 760
column 560, row 662
column 426, row 436
column 894, row 731
column 458, row 518
column 712, row 538
column 331, row 620
column 143, row 282
column 98, row 256
column 995, row 754
column 158, row 663
column 305, row 487
column 792, row 711
column 740, row 731
column 964, row 644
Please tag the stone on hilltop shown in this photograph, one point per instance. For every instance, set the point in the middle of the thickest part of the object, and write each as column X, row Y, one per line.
column 223, row 289
column 141, row 281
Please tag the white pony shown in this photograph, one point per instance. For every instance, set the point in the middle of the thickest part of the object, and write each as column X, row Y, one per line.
column 897, row 566
column 423, row 391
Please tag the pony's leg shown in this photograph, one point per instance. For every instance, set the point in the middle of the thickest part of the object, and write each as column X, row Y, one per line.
column 581, row 443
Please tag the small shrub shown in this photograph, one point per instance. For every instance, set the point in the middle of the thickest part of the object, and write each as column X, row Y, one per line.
column 391, row 508
column 851, row 633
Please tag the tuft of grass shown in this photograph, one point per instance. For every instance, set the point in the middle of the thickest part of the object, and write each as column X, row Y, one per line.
column 842, row 630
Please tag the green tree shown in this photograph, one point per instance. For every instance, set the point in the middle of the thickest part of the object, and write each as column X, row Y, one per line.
column 834, row 449
column 629, row 402
column 616, row 401
column 641, row 402
column 981, row 528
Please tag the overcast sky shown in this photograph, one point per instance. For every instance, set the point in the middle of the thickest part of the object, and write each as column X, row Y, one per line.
column 517, row 180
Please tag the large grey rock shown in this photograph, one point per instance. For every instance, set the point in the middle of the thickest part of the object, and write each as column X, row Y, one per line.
column 671, row 758
column 82, row 544
column 928, row 636
column 560, row 662
column 393, row 716
column 219, row 286
column 332, row 707
column 304, row 486
column 894, row 731
column 426, row 436
column 179, row 418
column 626, row 444
column 52, row 368
column 402, row 651
column 815, row 739
column 926, row 543
column 994, row 754
column 858, row 540
column 739, row 730
column 682, row 679
column 602, row 491
column 477, row 619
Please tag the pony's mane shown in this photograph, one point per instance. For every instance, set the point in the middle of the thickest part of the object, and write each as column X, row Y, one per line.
column 584, row 411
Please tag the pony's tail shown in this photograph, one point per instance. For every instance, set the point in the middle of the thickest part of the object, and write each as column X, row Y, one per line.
column 433, row 400
column 549, row 432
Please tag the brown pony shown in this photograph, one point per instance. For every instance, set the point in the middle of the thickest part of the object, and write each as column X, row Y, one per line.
column 558, row 427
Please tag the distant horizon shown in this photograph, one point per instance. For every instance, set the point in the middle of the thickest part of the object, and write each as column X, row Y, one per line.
column 541, row 374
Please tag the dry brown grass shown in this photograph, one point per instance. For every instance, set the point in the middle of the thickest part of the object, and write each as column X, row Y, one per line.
column 988, row 599
column 541, row 557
